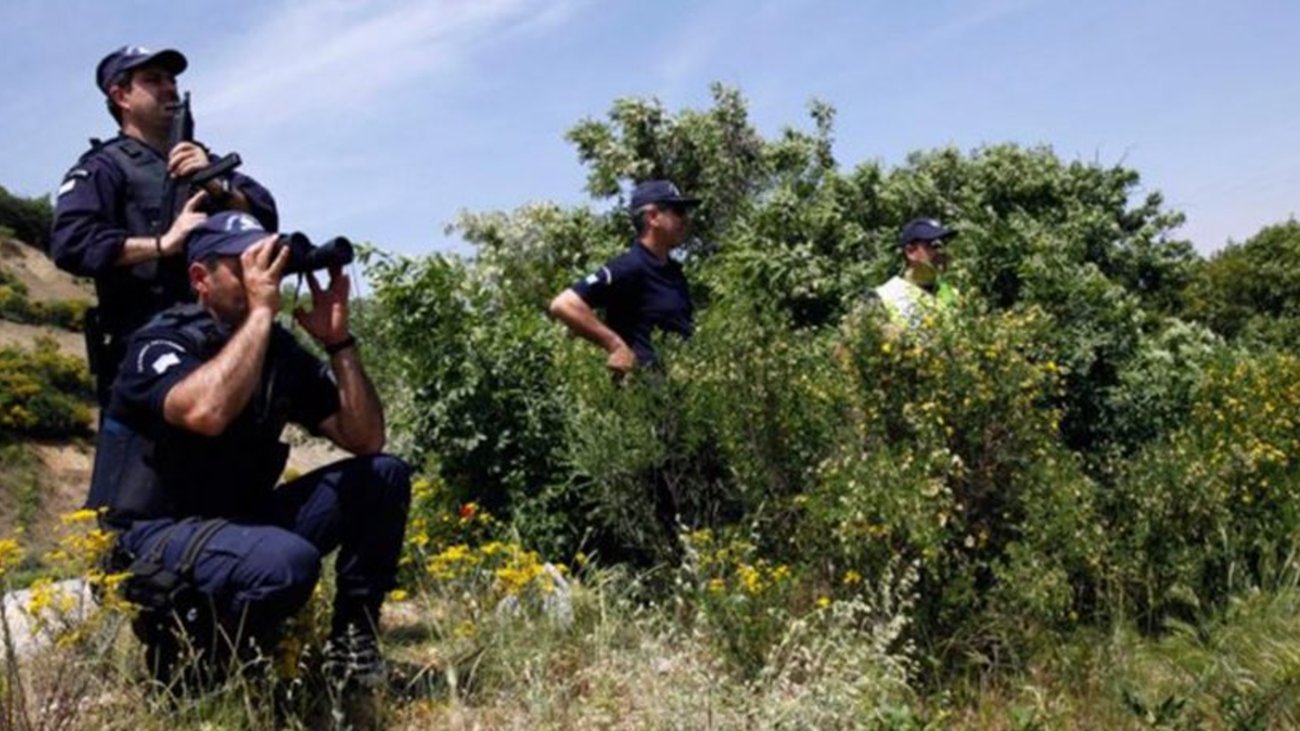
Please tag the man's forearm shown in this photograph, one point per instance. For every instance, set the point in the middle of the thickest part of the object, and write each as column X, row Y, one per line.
column 208, row 400
column 360, row 415
column 578, row 316
column 139, row 249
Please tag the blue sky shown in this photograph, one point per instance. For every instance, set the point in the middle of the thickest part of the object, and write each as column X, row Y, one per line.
column 380, row 120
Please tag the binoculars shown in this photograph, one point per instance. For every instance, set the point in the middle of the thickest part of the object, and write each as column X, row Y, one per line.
column 304, row 256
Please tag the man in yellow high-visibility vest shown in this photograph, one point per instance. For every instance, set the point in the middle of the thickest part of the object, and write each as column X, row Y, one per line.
column 920, row 289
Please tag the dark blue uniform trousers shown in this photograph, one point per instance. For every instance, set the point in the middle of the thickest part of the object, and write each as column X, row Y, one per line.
column 259, row 572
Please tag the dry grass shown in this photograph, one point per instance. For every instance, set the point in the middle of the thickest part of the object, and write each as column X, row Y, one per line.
column 621, row 664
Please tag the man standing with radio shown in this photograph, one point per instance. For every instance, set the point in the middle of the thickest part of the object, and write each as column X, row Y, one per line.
column 108, row 217
column 190, row 454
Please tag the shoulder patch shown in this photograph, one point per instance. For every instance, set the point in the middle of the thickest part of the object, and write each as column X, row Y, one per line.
column 70, row 180
column 595, row 277
column 158, row 356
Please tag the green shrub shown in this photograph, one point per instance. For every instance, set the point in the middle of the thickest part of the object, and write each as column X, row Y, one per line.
column 17, row 307
column 743, row 598
column 1214, row 507
column 1034, row 456
column 20, row 481
column 29, row 219
column 730, row 428
column 954, row 460
column 1250, row 290
column 42, row 392
column 478, row 394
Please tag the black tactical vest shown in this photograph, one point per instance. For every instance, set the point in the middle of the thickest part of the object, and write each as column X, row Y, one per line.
column 130, row 296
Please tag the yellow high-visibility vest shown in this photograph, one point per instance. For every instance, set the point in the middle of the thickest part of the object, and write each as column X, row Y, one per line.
column 908, row 304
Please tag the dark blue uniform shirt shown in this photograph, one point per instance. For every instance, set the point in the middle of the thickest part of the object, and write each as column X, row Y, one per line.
column 229, row 475
column 92, row 220
column 640, row 293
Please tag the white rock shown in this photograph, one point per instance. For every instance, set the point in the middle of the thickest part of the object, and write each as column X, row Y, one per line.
column 30, row 633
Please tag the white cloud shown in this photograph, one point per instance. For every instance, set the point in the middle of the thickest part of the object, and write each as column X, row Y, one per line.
column 311, row 56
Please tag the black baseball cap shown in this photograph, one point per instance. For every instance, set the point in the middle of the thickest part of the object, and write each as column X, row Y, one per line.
column 228, row 233
column 130, row 57
column 923, row 229
column 653, row 192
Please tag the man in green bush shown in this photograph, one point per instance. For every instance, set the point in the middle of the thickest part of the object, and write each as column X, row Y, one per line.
column 920, row 289
column 642, row 289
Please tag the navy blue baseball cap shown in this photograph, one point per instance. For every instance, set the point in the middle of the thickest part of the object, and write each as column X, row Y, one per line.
column 227, row 233
column 923, row 229
column 653, row 192
column 130, row 57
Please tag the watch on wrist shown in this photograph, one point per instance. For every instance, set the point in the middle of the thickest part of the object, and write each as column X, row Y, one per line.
column 342, row 345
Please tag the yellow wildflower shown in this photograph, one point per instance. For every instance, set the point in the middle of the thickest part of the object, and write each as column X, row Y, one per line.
column 751, row 580
column 453, row 562
column 84, row 515
column 10, row 554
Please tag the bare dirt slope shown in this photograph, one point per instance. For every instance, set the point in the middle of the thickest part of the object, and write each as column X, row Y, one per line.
column 16, row 333
column 45, row 282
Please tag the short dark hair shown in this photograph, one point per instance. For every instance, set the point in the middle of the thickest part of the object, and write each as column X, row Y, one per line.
column 122, row 79
column 638, row 218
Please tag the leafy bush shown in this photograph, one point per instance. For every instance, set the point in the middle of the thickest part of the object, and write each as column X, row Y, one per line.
column 1034, row 455
column 42, row 392
column 953, row 460
column 16, row 306
column 474, row 387
column 1251, row 290
column 20, row 482
column 29, row 219
column 1213, row 507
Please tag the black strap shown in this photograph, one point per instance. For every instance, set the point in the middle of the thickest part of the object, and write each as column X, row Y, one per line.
column 197, row 541
column 156, row 550
column 200, row 539
column 342, row 345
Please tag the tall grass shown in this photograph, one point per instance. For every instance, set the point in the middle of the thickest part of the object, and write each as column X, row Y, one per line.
column 494, row 639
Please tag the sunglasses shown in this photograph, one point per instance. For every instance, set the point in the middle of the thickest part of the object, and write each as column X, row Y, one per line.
column 677, row 208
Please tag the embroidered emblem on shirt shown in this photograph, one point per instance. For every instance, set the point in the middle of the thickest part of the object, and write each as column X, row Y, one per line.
column 70, row 181
column 160, row 364
column 165, row 361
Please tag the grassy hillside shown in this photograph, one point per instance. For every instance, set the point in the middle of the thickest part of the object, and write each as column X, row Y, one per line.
column 46, row 408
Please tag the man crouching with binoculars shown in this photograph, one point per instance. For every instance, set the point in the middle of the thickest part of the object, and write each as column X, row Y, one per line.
column 190, row 453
